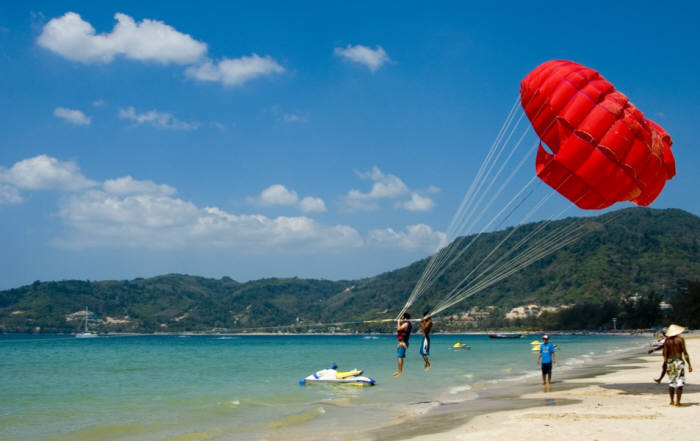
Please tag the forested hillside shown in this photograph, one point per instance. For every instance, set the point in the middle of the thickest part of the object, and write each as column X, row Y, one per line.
column 633, row 251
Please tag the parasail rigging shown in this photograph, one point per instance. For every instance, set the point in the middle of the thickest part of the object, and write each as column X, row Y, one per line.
column 593, row 147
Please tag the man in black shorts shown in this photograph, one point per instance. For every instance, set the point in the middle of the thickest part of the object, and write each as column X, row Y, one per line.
column 546, row 357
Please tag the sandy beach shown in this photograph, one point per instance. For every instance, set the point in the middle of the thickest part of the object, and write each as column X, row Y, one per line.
column 619, row 405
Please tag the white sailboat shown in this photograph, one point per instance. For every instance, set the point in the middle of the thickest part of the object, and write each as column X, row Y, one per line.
column 86, row 333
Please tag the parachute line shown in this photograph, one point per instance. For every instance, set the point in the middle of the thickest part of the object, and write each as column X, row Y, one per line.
column 475, row 204
column 436, row 265
column 457, row 223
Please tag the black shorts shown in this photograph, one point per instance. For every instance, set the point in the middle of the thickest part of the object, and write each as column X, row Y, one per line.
column 546, row 368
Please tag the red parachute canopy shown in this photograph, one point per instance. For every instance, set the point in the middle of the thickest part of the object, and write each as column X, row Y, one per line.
column 604, row 149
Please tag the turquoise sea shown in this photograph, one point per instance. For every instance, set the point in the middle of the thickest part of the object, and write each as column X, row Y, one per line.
column 192, row 388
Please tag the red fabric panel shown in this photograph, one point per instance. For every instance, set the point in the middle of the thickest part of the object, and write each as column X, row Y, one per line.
column 637, row 157
column 652, row 170
column 564, row 92
column 650, row 193
column 544, row 122
column 627, row 188
column 559, row 177
column 543, row 158
column 614, row 102
column 574, row 152
column 596, row 171
column 617, row 140
column 605, row 150
column 576, row 109
column 669, row 162
column 555, row 134
column 596, row 124
column 593, row 91
column 591, row 201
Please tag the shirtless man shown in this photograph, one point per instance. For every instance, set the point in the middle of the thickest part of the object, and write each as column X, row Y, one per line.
column 674, row 351
column 426, row 324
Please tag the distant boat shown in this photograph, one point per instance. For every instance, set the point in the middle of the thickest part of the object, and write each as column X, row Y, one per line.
column 504, row 335
column 86, row 333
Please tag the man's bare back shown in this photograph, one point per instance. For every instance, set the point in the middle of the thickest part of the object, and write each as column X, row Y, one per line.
column 674, row 347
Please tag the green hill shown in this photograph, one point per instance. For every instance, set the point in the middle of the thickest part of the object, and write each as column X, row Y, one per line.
column 636, row 250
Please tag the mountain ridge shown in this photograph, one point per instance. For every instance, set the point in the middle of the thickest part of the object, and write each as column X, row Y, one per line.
column 629, row 251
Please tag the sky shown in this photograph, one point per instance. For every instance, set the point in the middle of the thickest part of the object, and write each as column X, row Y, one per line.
column 328, row 140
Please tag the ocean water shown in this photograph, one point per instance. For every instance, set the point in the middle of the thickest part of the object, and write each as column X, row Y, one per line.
column 197, row 388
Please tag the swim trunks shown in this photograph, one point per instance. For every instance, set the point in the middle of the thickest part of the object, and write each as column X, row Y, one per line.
column 425, row 346
column 547, row 368
column 401, row 351
column 675, row 369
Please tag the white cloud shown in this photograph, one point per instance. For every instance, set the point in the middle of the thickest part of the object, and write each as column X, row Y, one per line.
column 149, row 40
column 310, row 204
column 235, row 71
column 433, row 190
column 386, row 186
column 99, row 103
column 417, row 203
column 288, row 117
column 134, row 211
column 262, row 233
column 157, row 119
column 373, row 59
column 415, row 237
column 43, row 172
column 98, row 219
column 291, row 118
column 278, row 195
column 9, row 195
column 72, row 116
column 127, row 212
column 128, row 185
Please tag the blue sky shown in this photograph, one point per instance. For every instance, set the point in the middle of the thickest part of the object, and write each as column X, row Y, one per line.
column 273, row 139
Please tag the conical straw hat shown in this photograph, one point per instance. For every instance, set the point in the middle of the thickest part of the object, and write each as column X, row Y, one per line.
column 674, row 330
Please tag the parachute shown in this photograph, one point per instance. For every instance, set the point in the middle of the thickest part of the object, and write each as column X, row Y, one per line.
column 593, row 146
column 603, row 148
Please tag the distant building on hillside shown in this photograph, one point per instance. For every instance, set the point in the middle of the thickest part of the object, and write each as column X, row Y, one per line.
column 533, row 310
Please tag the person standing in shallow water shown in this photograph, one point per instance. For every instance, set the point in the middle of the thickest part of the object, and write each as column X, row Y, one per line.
column 546, row 357
column 426, row 324
column 403, row 333
column 674, row 351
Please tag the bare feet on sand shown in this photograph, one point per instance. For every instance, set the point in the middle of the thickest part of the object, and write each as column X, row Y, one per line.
column 397, row 374
column 657, row 380
column 427, row 366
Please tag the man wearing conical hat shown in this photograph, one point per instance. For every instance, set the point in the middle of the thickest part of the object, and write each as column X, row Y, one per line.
column 674, row 351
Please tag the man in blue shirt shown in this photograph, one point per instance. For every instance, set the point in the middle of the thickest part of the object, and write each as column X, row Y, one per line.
column 546, row 357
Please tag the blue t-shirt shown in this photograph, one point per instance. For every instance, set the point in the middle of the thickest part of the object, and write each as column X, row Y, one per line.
column 546, row 349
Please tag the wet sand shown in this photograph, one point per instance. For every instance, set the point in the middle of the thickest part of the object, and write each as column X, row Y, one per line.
column 622, row 403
